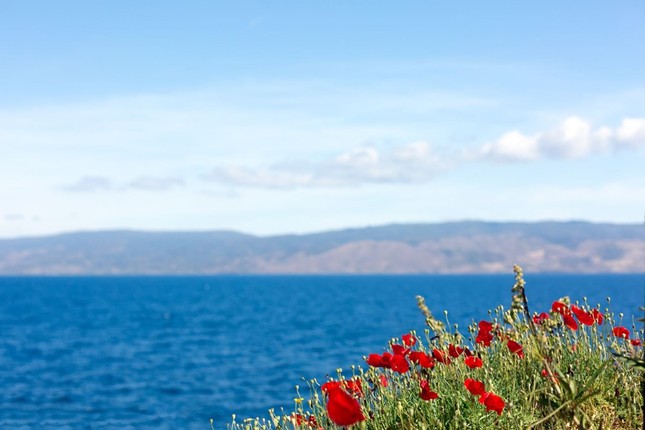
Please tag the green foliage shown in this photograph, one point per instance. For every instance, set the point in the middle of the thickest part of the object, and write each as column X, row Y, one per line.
column 563, row 379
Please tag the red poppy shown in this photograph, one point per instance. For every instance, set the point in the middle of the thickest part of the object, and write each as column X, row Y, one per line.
column 485, row 326
column 515, row 348
column 426, row 392
column 635, row 342
column 539, row 319
column 583, row 316
column 375, row 360
column 400, row 350
column 473, row 362
column 475, row 387
column 597, row 316
column 561, row 308
column 621, row 331
column 455, row 351
column 386, row 360
column 492, row 402
column 399, row 364
column 422, row 359
column 408, row 339
column 440, row 356
column 330, row 386
column 343, row 409
column 570, row 322
column 484, row 337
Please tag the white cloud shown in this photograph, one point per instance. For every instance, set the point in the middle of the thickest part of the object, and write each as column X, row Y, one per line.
column 512, row 146
column 414, row 162
column 631, row 132
column 574, row 138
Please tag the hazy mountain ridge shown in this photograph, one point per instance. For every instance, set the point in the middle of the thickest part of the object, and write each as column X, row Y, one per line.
column 456, row 247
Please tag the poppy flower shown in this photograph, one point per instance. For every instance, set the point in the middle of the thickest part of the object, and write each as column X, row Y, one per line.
column 515, row 348
column 570, row 322
column 426, row 392
column 422, row 359
column 399, row 364
column 560, row 308
column 375, row 360
column 583, row 316
column 597, row 316
column 330, row 386
column 621, row 331
column 475, row 387
column 386, row 360
column 635, row 342
column 440, row 356
column 492, row 402
column 343, row 409
column 408, row 339
column 484, row 338
column 539, row 319
column 455, row 351
column 473, row 362
column 485, row 326
column 400, row 350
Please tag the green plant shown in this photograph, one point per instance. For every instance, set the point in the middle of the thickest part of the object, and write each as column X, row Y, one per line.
column 570, row 367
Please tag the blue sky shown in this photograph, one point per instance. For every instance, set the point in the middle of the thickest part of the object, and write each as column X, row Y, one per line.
column 275, row 117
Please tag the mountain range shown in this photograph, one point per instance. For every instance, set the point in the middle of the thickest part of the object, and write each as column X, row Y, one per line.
column 452, row 247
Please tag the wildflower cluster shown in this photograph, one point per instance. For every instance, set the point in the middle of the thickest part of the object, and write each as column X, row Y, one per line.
column 555, row 369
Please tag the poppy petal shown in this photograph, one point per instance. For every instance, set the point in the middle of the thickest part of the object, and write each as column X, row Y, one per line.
column 399, row 364
column 426, row 392
column 570, row 322
column 560, row 308
column 583, row 316
column 408, row 339
column 475, row 387
column 343, row 409
column 621, row 332
column 473, row 362
column 515, row 348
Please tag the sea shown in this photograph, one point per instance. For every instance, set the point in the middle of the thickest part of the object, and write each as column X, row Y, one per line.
column 174, row 352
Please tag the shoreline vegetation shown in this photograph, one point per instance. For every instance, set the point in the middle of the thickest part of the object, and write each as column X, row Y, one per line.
column 574, row 366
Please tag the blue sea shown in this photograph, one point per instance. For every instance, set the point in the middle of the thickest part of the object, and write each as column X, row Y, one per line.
column 173, row 352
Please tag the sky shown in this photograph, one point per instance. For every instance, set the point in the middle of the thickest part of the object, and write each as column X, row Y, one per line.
column 305, row 116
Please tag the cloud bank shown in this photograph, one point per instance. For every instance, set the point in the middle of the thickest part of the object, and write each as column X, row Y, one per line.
column 414, row 162
column 574, row 138
column 417, row 162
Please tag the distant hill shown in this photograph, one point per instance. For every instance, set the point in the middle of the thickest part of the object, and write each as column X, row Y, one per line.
column 455, row 247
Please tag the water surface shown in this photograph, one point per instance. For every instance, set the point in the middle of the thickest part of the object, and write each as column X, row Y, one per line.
column 173, row 352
